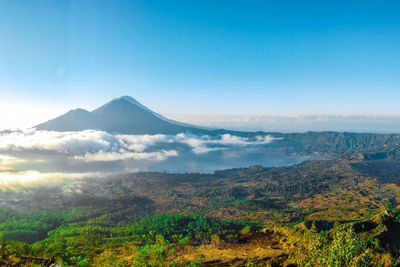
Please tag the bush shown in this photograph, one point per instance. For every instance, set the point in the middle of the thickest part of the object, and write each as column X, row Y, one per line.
column 344, row 248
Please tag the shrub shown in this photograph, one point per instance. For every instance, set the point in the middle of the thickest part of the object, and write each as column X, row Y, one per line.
column 344, row 248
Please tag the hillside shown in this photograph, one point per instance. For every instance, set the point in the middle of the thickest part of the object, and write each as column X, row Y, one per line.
column 255, row 215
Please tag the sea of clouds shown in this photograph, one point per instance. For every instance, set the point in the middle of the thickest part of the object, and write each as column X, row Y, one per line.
column 94, row 145
column 32, row 154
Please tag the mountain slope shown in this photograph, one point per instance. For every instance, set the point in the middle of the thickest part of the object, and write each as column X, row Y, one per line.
column 122, row 115
column 73, row 120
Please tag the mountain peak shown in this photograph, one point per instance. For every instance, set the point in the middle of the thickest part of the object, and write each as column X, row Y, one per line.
column 123, row 115
column 138, row 104
column 78, row 110
column 130, row 100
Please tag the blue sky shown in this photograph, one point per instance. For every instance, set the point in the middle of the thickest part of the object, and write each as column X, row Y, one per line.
column 226, row 57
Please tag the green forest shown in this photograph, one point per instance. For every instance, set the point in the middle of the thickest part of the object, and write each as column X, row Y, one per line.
column 317, row 213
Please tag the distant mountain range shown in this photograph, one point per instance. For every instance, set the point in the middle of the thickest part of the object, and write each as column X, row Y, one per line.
column 124, row 115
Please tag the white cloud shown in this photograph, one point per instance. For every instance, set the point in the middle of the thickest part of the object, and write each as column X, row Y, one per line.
column 205, row 143
column 6, row 162
column 35, row 155
column 91, row 145
column 33, row 176
column 88, row 145
column 62, row 142
column 141, row 142
column 113, row 156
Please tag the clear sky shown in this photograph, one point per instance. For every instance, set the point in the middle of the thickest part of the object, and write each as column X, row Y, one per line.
column 225, row 57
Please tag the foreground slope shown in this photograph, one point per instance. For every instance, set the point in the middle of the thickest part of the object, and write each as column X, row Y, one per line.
column 317, row 211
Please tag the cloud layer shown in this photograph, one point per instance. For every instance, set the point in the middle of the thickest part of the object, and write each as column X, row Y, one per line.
column 36, row 155
column 94, row 145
